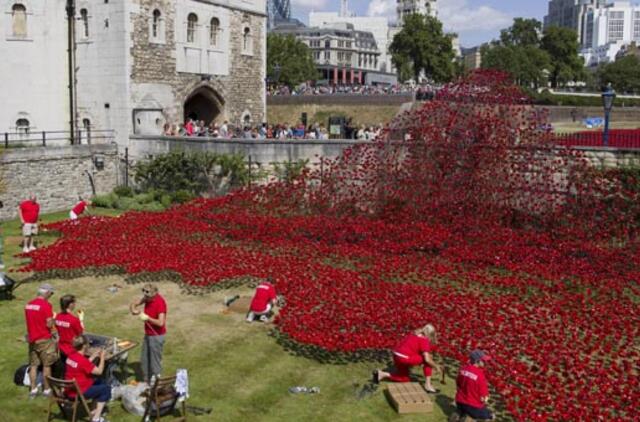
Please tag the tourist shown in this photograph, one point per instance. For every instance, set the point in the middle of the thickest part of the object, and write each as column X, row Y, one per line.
column 29, row 212
column 189, row 128
column 413, row 350
column 224, row 130
column 81, row 369
column 472, row 392
column 79, row 208
column 154, row 316
column 68, row 325
column 263, row 302
column 42, row 347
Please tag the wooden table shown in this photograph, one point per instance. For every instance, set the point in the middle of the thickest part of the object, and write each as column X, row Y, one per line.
column 115, row 358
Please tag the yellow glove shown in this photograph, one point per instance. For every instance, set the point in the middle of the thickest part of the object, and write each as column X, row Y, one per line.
column 144, row 316
column 81, row 315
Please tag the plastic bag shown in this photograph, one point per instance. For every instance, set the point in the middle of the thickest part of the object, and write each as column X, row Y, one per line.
column 132, row 399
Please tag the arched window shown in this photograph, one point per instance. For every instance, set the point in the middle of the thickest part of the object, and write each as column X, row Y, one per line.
column 213, row 32
column 22, row 126
column 155, row 24
column 192, row 23
column 246, row 40
column 84, row 17
column 19, row 20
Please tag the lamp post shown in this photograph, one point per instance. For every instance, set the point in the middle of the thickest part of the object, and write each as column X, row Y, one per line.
column 608, row 96
column 71, row 62
column 276, row 72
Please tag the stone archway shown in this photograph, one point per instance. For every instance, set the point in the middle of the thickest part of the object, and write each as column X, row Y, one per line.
column 203, row 104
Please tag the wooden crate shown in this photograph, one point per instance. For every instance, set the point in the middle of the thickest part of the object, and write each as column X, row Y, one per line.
column 409, row 397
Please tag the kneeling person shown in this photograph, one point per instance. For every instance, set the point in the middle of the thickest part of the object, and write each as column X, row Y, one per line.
column 83, row 371
column 263, row 302
column 472, row 388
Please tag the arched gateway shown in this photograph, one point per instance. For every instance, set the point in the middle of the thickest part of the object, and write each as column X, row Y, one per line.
column 203, row 104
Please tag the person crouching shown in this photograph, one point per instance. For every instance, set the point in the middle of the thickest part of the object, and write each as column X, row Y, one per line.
column 413, row 350
column 472, row 392
column 263, row 302
column 83, row 371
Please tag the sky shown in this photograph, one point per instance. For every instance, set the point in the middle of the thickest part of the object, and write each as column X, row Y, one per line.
column 475, row 21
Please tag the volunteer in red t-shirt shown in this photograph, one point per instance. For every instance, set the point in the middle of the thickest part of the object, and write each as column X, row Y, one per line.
column 263, row 301
column 68, row 325
column 81, row 369
column 413, row 350
column 42, row 347
column 29, row 212
column 78, row 209
column 155, row 318
column 473, row 391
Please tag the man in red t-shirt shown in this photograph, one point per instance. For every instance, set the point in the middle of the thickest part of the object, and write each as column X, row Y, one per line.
column 68, row 325
column 82, row 370
column 78, row 209
column 472, row 388
column 29, row 212
column 263, row 301
column 42, row 347
column 155, row 318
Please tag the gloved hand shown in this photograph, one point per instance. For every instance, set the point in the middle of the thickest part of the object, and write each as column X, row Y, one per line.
column 144, row 316
column 81, row 315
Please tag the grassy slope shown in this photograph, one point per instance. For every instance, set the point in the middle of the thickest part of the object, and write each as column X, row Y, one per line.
column 234, row 367
column 367, row 115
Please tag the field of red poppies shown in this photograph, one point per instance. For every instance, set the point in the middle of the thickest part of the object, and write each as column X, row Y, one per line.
column 476, row 223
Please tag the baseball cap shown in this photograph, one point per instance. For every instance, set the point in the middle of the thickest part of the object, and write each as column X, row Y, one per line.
column 478, row 356
column 46, row 287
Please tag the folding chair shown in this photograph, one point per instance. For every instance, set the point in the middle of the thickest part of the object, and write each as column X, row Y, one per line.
column 162, row 399
column 77, row 406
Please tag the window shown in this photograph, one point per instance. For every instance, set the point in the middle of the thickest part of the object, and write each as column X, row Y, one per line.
column 316, row 55
column 22, row 126
column 616, row 26
column 246, row 40
column 155, row 24
column 340, row 43
column 214, row 28
column 192, row 23
column 327, row 55
column 636, row 26
column 19, row 20
column 327, row 44
column 348, row 44
column 84, row 17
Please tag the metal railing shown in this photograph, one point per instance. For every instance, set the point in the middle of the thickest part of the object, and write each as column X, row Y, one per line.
column 25, row 139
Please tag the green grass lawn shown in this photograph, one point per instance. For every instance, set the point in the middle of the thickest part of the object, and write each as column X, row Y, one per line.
column 234, row 367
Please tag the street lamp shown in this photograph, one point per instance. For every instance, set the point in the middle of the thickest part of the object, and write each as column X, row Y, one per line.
column 276, row 72
column 608, row 96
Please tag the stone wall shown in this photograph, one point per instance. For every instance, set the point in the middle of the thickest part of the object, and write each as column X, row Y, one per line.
column 56, row 175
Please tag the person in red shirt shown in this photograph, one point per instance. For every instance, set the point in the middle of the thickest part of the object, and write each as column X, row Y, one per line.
column 29, row 212
column 263, row 301
column 81, row 369
column 42, row 347
column 78, row 209
column 472, row 392
column 68, row 325
column 413, row 350
column 154, row 316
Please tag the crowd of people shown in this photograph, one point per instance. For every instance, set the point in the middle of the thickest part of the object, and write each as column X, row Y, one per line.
column 421, row 91
column 280, row 131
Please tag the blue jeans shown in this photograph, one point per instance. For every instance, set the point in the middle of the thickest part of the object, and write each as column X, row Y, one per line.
column 478, row 413
column 99, row 391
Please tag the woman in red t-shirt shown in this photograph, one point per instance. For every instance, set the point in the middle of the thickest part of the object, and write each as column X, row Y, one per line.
column 413, row 350
column 82, row 370
column 78, row 209
column 68, row 325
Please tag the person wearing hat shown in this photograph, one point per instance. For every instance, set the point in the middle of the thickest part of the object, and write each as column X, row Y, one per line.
column 472, row 392
column 42, row 346
column 154, row 317
column 413, row 350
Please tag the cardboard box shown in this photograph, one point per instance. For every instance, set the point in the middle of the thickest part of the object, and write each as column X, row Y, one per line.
column 409, row 397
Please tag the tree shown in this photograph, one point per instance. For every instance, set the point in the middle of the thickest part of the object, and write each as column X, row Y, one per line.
column 623, row 74
column 562, row 46
column 294, row 58
column 518, row 52
column 422, row 47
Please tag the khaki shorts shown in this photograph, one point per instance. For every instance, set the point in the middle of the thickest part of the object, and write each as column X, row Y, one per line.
column 43, row 352
column 29, row 229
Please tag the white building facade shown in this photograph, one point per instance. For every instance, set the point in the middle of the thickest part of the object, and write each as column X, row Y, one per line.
column 610, row 28
column 422, row 7
column 139, row 64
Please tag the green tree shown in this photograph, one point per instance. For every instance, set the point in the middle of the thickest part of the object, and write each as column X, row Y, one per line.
column 562, row 46
column 518, row 52
column 294, row 58
column 423, row 47
column 623, row 74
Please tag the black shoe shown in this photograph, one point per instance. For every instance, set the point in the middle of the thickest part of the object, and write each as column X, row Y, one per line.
column 376, row 376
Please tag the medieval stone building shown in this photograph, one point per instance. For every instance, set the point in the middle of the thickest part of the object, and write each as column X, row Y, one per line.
column 139, row 64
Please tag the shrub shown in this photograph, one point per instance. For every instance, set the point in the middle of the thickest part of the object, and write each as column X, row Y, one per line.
column 123, row 191
column 182, row 196
column 105, row 201
column 124, row 203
